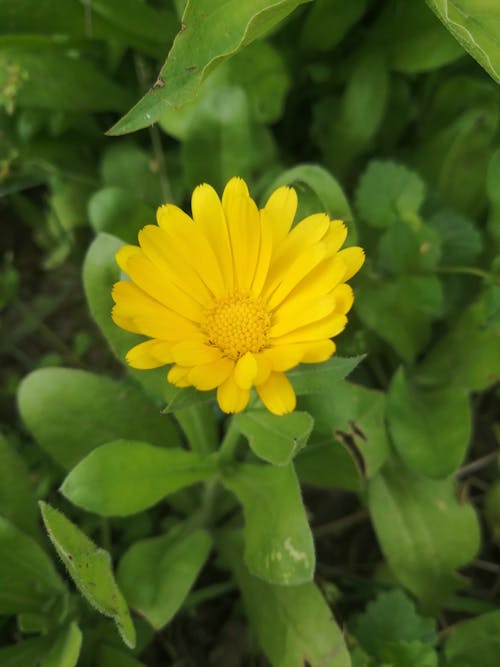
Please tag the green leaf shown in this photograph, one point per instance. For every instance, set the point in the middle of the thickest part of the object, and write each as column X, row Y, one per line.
column 328, row 21
column 17, row 498
column 376, row 626
column 26, row 653
column 461, row 242
column 387, row 307
column 423, row 531
column 476, row 25
column 474, row 643
column 275, row 439
column 360, row 113
column 209, row 35
column 90, row 568
column 28, row 579
column 409, row 654
column 53, row 400
column 278, row 541
column 316, row 378
column 156, row 574
column 388, row 192
column 126, row 165
column 126, row 476
column 66, row 650
column 119, row 212
column 317, row 180
column 223, row 140
column 430, row 429
column 446, row 364
column 413, row 40
column 293, row 624
column 356, row 417
column 492, row 510
column 111, row 657
column 53, row 77
column 329, row 463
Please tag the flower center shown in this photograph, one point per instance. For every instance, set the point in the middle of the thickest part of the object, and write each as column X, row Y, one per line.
column 237, row 324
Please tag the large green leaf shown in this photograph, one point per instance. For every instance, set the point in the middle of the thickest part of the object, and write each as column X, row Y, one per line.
column 424, row 532
column 278, row 541
column 293, row 624
column 430, row 429
column 50, row 77
column 476, row 25
column 90, row 569
column 53, row 400
column 28, row 579
column 126, row 476
column 474, row 643
column 210, row 33
column 17, row 498
column 156, row 574
column 275, row 439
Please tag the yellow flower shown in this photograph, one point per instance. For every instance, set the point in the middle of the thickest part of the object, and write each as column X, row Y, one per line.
column 234, row 296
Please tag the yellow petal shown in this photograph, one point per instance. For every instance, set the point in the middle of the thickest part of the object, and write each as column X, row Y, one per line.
column 232, row 398
column 124, row 322
column 307, row 233
column 300, row 268
column 164, row 252
column 170, row 217
column 264, row 254
column 335, row 237
column 353, row 258
column 264, row 367
column 344, row 298
column 277, row 394
column 326, row 328
column 210, row 376
column 123, row 254
column 156, row 283
column 245, row 371
column 298, row 312
column 178, row 376
column 192, row 353
column 318, row 351
column 209, row 216
column 280, row 211
column 284, row 357
column 243, row 222
column 147, row 316
column 150, row 354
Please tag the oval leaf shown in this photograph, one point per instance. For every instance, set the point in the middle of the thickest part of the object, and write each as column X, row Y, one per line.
column 278, row 542
column 157, row 574
column 124, row 477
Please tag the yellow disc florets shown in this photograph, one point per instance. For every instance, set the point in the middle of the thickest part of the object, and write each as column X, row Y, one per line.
column 237, row 324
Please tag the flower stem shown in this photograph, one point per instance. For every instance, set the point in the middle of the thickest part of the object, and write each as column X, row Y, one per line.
column 229, row 442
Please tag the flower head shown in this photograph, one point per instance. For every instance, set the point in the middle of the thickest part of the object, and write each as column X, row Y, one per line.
column 233, row 297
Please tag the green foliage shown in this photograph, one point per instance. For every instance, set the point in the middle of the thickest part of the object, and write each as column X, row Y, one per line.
column 127, row 476
column 377, row 115
column 90, row 569
column 293, row 623
column 435, row 533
